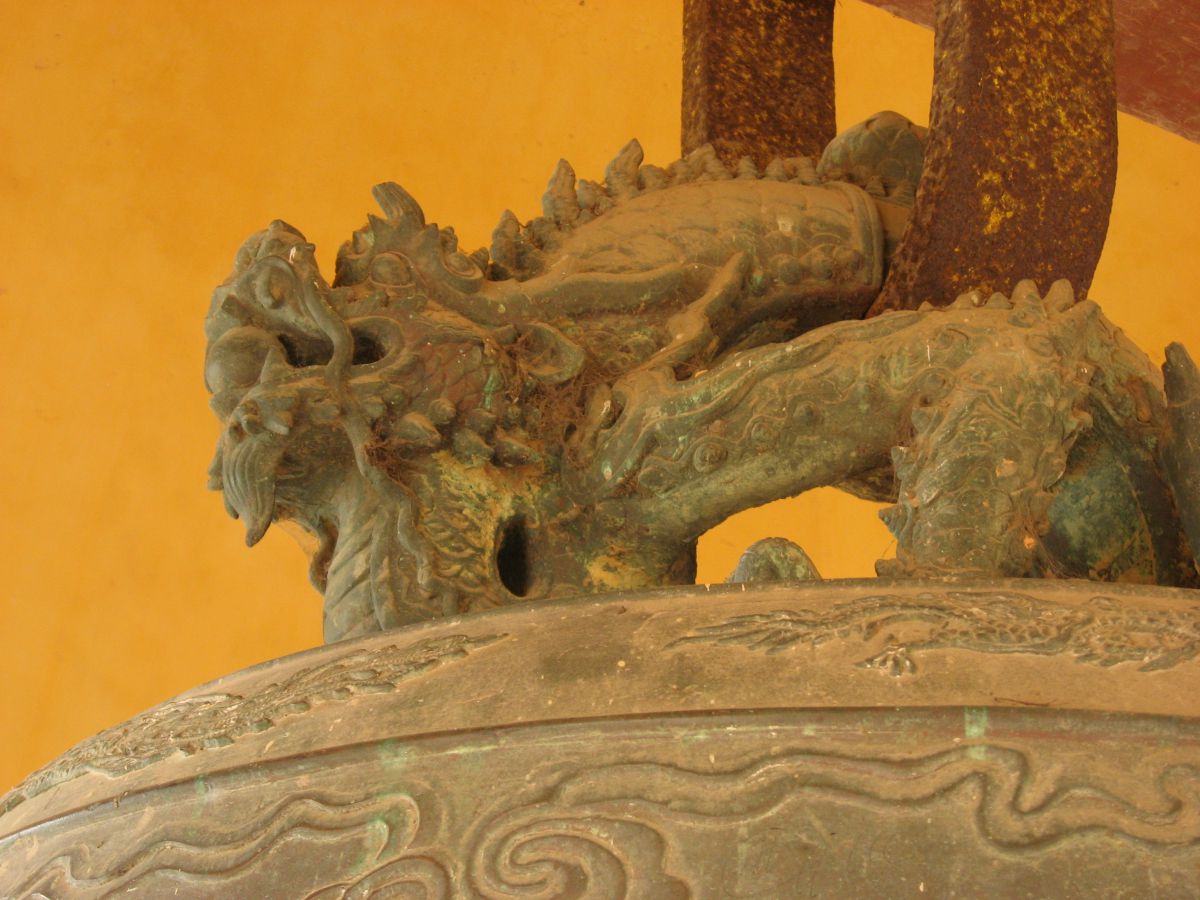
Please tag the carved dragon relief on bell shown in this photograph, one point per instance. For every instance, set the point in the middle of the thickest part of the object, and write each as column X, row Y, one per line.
column 504, row 459
column 676, row 345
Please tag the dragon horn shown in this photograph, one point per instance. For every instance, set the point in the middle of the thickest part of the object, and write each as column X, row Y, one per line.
column 402, row 211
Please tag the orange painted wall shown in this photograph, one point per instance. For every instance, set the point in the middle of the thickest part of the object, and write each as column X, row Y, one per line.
column 142, row 141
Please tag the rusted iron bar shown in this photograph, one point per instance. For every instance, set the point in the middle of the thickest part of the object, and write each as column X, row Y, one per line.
column 1021, row 161
column 758, row 77
column 1157, row 58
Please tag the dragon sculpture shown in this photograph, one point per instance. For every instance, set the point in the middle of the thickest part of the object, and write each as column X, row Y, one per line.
column 568, row 411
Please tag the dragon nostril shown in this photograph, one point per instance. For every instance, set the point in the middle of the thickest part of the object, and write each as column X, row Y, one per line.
column 367, row 349
column 512, row 557
column 302, row 353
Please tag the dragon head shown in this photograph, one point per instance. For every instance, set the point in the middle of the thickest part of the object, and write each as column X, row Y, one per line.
column 345, row 407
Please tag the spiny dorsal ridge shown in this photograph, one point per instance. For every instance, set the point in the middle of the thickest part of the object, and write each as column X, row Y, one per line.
column 775, row 170
column 513, row 256
column 746, row 170
column 593, row 197
column 621, row 175
column 707, row 165
column 803, row 169
column 560, row 202
column 653, row 178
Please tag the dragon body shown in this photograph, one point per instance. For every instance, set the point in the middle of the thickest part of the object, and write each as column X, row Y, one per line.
column 568, row 411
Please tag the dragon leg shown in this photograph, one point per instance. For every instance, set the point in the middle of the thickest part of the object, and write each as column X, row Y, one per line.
column 983, row 400
column 1041, row 458
column 974, row 480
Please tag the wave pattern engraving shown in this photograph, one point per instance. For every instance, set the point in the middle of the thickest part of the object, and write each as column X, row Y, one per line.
column 411, row 876
column 1102, row 631
column 607, row 831
column 572, row 815
column 189, row 725
column 386, row 824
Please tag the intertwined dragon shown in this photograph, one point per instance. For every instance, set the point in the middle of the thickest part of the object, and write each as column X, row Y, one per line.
column 568, row 411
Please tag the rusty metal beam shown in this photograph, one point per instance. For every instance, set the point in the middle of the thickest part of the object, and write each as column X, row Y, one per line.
column 1158, row 58
column 1022, row 155
column 758, row 77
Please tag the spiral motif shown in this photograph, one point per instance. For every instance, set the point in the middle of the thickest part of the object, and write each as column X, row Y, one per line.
column 410, row 876
column 709, row 456
column 583, row 855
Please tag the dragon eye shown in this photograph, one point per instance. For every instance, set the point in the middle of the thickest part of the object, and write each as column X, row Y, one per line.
column 235, row 360
column 391, row 268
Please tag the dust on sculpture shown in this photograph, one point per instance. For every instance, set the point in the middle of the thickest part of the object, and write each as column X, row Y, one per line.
column 570, row 411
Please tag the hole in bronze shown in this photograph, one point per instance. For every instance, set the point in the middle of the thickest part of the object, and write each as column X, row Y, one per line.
column 304, row 352
column 512, row 557
column 367, row 349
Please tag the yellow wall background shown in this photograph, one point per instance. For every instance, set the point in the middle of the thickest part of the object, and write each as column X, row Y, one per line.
column 141, row 142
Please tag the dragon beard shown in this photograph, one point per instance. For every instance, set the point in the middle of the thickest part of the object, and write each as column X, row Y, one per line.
column 248, row 475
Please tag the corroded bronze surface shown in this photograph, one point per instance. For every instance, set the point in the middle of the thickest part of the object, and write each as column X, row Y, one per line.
column 566, row 412
column 570, row 411
column 758, row 77
column 1022, row 154
column 850, row 737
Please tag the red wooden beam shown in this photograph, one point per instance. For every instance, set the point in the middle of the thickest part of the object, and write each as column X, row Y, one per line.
column 1157, row 58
